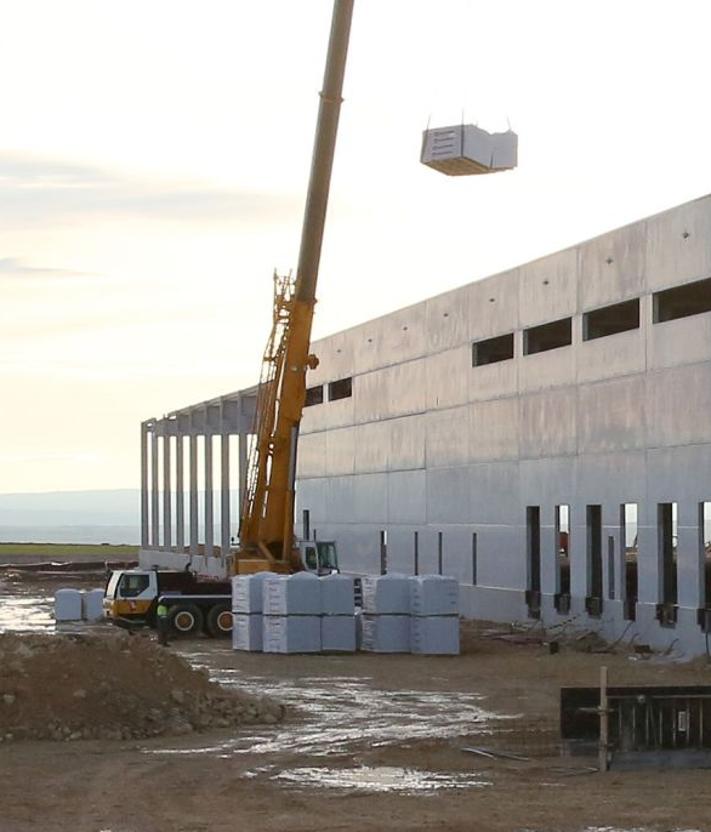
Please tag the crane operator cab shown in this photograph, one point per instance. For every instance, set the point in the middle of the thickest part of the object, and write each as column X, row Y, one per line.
column 319, row 556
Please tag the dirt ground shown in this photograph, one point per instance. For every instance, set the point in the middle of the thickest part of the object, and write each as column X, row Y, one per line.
column 358, row 730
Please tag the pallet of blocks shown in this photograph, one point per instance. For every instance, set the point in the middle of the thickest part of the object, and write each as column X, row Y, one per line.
column 434, row 622
column 292, row 614
column 338, row 623
column 247, row 627
column 385, row 621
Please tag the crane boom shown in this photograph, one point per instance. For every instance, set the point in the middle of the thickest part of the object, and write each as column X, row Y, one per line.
column 267, row 524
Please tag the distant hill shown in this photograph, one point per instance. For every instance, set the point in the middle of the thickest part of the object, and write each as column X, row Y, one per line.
column 117, row 507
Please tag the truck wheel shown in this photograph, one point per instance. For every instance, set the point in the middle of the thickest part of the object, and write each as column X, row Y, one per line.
column 186, row 619
column 219, row 621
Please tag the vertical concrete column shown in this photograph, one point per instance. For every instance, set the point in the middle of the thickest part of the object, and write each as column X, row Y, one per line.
column 648, row 571
column 144, row 486
column 155, row 531
column 209, row 520
column 242, row 460
column 689, row 556
column 225, row 494
column 193, row 495
column 179, row 495
column 549, row 554
column 167, row 518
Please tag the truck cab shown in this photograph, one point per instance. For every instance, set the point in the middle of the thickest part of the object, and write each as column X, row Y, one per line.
column 319, row 556
column 130, row 595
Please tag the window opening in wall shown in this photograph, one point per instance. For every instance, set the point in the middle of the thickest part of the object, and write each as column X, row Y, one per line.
column 682, row 301
column 492, row 350
column 667, row 537
column 474, row 559
column 705, row 551
column 314, row 395
column 417, row 554
column 439, row 552
column 306, row 523
column 383, row 552
column 341, row 389
column 548, row 336
column 593, row 602
column 562, row 558
column 620, row 317
column 533, row 541
column 629, row 549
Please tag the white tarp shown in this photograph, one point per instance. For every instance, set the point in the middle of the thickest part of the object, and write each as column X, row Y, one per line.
column 247, row 591
column 298, row 594
column 337, row 595
column 386, row 594
column 338, row 633
column 435, row 635
column 434, row 595
column 68, row 605
column 292, row 633
column 247, row 632
column 93, row 605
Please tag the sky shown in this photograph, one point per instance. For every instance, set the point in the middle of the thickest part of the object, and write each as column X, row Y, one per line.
column 154, row 158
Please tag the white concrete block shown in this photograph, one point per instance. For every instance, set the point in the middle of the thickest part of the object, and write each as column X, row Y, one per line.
column 247, row 632
column 247, row 591
column 386, row 594
column 435, row 635
column 68, row 605
column 434, row 595
column 291, row 634
column 386, row 633
column 338, row 633
column 337, row 595
column 93, row 605
column 298, row 594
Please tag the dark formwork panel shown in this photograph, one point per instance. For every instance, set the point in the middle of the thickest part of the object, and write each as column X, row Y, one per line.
column 609, row 320
column 548, row 336
column 682, row 301
column 492, row 350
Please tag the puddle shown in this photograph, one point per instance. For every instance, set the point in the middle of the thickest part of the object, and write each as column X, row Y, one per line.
column 30, row 614
column 379, row 779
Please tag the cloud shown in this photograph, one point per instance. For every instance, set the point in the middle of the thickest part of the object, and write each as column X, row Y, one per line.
column 16, row 267
column 35, row 189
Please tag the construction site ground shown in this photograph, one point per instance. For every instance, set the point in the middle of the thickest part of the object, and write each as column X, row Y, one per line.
column 369, row 742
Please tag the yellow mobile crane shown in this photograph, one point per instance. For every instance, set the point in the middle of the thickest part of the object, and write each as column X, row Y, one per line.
column 266, row 538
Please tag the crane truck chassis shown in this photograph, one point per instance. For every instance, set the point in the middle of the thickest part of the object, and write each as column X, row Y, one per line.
column 195, row 605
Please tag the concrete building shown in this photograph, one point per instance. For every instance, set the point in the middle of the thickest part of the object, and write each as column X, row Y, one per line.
column 544, row 435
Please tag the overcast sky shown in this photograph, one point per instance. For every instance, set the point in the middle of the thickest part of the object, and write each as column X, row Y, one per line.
column 153, row 165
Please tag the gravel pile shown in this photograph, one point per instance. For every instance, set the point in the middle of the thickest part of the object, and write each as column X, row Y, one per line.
column 112, row 687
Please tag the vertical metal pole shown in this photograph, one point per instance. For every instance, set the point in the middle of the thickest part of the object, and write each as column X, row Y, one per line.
column 242, row 466
column 167, row 488
column 193, row 495
column 604, row 721
column 179, row 495
column 225, row 494
column 155, row 531
column 144, row 486
column 209, row 520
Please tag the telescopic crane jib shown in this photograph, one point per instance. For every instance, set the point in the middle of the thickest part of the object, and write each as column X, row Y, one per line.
column 267, row 521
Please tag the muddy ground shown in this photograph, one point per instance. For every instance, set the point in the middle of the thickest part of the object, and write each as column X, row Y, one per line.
column 369, row 743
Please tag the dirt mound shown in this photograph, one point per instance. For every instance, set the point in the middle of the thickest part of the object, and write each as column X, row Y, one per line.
column 114, row 686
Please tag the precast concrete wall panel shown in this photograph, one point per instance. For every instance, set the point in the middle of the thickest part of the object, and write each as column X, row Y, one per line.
column 340, row 451
column 392, row 391
column 612, row 267
column 493, row 306
column 679, row 405
column 447, row 320
column 402, row 335
column 683, row 341
column 340, row 500
column 548, row 288
column 407, row 443
column 492, row 381
column 493, row 430
column 551, row 481
column 370, row 498
column 673, row 258
column 615, row 478
column 407, row 497
column 312, row 454
column 553, row 368
column 499, row 562
column 401, row 549
column 448, row 377
column 372, row 447
column 495, row 493
column 548, row 423
column 612, row 415
column 616, row 355
column 448, row 494
column 447, row 442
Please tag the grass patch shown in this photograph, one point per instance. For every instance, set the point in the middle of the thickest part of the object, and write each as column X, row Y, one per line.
column 68, row 551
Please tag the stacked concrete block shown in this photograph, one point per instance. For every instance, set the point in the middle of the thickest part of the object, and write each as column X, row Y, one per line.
column 68, row 605
column 386, row 614
column 92, row 605
column 338, row 624
column 247, row 605
column 434, row 624
column 292, row 614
